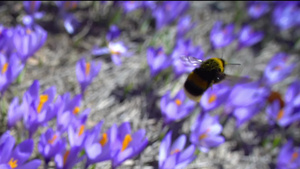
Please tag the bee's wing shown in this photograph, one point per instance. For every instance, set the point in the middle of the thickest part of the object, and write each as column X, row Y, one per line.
column 191, row 61
column 232, row 80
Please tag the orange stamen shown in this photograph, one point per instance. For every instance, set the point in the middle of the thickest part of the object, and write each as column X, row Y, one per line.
column 28, row 31
column 278, row 68
column 87, row 68
column 126, row 142
column 43, row 99
column 13, row 163
column 76, row 110
column 104, row 139
column 4, row 68
column 212, row 98
column 295, row 155
column 66, row 155
column 81, row 130
column 175, row 151
column 178, row 102
column 204, row 135
column 280, row 114
column 51, row 141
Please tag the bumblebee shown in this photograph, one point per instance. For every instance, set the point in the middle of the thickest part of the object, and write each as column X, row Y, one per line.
column 207, row 73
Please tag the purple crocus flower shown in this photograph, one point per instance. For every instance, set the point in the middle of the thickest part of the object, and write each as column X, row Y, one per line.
column 113, row 33
column 115, row 49
column 127, row 144
column 77, row 135
column 206, row 132
column 70, row 22
column 68, row 112
column 289, row 157
column 183, row 49
column 16, row 111
column 67, row 159
column 221, row 36
column 246, row 100
column 285, row 15
column 86, row 72
column 130, row 6
column 11, row 157
column 28, row 40
column 31, row 8
column 277, row 69
column 50, row 144
column 98, row 146
column 157, row 60
column 174, row 155
column 292, row 95
column 214, row 96
column 39, row 111
column 248, row 37
column 10, row 69
column 175, row 108
column 282, row 116
column 168, row 11
column 6, row 42
column 257, row 9
column 184, row 25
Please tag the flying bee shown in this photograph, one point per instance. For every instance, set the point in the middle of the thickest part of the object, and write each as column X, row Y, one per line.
column 206, row 73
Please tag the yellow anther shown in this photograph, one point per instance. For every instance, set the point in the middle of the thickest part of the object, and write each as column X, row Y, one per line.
column 13, row 163
column 104, row 139
column 178, row 102
column 175, row 151
column 51, row 141
column 280, row 114
column 43, row 99
column 76, row 110
column 87, row 68
column 66, row 155
column 126, row 142
column 4, row 68
column 212, row 98
column 81, row 130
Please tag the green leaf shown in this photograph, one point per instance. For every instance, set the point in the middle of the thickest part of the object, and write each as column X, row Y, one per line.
column 276, row 141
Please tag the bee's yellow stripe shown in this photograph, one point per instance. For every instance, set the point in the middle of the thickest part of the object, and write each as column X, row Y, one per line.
column 198, row 81
column 220, row 63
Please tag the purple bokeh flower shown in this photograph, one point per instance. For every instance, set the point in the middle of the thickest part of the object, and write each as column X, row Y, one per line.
column 289, row 157
column 184, row 49
column 31, row 8
column 39, row 109
column 157, row 60
column 10, row 69
column 86, row 72
column 67, row 158
column 246, row 100
column 292, row 95
column 221, row 36
column 127, row 144
column 205, row 132
column 16, row 111
column 168, row 11
column 70, row 22
column 286, row 15
column 257, row 9
column 175, row 108
column 174, row 155
column 113, row 33
column 214, row 97
column 277, row 69
column 184, row 25
column 28, row 40
column 115, row 49
column 50, row 144
column 11, row 157
column 248, row 37
column 98, row 146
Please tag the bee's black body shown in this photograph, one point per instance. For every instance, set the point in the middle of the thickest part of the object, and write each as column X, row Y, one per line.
column 211, row 71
